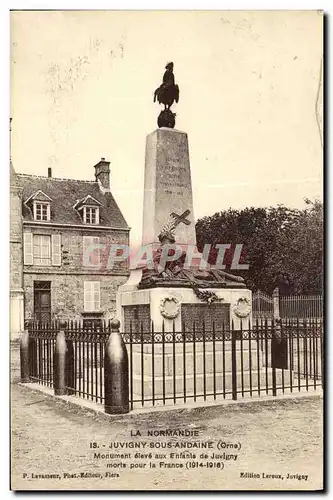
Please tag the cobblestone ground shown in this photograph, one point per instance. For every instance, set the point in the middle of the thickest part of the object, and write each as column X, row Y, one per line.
column 53, row 437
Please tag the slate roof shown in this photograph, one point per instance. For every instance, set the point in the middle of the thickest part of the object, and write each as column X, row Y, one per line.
column 64, row 194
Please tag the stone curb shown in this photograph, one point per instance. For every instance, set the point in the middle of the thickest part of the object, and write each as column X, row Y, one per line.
column 227, row 405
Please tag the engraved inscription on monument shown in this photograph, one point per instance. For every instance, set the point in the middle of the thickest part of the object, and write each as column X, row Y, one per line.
column 167, row 185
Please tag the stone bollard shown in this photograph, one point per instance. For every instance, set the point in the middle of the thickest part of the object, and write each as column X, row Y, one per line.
column 24, row 355
column 60, row 362
column 116, row 372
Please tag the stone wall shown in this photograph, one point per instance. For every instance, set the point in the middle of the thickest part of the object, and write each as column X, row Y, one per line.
column 67, row 280
column 67, row 294
column 72, row 242
column 16, row 259
column 15, row 265
column 15, row 239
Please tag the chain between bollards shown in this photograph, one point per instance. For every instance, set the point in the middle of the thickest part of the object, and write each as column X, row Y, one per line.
column 116, row 372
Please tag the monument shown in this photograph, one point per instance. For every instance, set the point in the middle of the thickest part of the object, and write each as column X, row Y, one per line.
column 175, row 296
column 191, row 294
column 167, row 186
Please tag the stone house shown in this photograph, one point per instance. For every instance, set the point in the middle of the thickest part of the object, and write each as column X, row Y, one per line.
column 61, row 232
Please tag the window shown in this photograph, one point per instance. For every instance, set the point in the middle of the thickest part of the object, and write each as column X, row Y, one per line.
column 88, row 208
column 42, row 211
column 41, row 250
column 91, row 296
column 91, row 215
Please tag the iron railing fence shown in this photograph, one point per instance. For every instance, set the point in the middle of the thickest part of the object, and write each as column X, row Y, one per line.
column 86, row 351
column 42, row 337
column 224, row 362
column 172, row 366
column 287, row 307
column 301, row 306
column 262, row 305
column 84, row 357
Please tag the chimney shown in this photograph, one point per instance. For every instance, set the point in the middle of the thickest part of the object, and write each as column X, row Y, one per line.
column 102, row 173
column 49, row 172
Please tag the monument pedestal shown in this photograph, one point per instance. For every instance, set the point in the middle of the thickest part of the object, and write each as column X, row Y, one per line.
column 174, row 362
column 179, row 307
column 170, row 320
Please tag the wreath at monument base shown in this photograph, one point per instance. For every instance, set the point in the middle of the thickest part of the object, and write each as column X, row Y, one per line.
column 243, row 307
column 169, row 307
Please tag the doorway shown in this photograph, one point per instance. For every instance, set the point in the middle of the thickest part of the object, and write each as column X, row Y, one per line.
column 42, row 301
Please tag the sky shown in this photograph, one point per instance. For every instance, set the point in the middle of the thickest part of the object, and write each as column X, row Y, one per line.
column 82, row 86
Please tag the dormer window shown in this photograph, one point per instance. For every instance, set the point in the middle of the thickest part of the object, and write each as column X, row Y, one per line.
column 91, row 215
column 41, row 211
column 88, row 208
column 40, row 206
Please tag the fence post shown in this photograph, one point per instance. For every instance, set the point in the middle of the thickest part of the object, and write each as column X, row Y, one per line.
column 60, row 362
column 273, row 360
column 276, row 303
column 233, row 362
column 322, row 357
column 116, row 372
column 24, row 355
column 69, row 368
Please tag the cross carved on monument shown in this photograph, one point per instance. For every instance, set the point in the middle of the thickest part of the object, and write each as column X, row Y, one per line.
column 181, row 218
column 168, row 229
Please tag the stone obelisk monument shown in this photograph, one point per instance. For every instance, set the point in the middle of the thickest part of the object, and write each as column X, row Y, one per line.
column 168, row 186
column 175, row 295
column 176, row 298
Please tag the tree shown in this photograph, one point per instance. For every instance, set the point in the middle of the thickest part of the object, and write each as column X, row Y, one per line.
column 283, row 246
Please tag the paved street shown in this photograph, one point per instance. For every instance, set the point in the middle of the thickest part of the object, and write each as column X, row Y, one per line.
column 50, row 436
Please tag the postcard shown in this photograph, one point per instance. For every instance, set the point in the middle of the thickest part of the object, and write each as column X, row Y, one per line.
column 166, row 250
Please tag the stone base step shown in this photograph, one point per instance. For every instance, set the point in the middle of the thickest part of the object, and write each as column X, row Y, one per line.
column 201, row 361
column 256, row 379
column 180, row 347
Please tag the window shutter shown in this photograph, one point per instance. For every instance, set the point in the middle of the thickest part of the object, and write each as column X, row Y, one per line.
column 87, row 296
column 86, row 243
column 97, row 295
column 91, row 251
column 34, row 208
column 86, row 251
column 97, row 256
column 91, row 296
column 56, row 249
column 28, row 255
